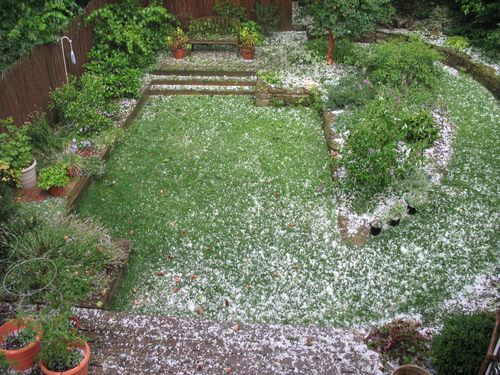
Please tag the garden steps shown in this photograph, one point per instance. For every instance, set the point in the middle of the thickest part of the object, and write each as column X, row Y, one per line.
column 199, row 82
column 124, row 343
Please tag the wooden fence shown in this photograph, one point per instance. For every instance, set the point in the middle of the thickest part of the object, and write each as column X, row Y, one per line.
column 25, row 87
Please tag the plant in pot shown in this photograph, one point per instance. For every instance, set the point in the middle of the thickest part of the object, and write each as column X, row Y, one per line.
column 18, row 165
column 19, row 343
column 248, row 40
column 178, row 42
column 54, row 178
column 74, row 162
column 396, row 212
column 376, row 227
column 62, row 349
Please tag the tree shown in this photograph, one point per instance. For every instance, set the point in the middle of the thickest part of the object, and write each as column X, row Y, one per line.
column 343, row 18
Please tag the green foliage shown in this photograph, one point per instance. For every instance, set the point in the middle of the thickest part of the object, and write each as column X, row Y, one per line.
column 403, row 63
column 249, row 39
column 176, row 39
column 458, row 42
column 15, row 150
column 267, row 15
column 351, row 90
column 126, row 40
column 93, row 167
column 43, row 138
column 6, row 202
column 226, row 8
column 74, row 255
column 346, row 17
column 82, row 105
column 461, row 346
column 384, row 146
column 29, row 23
column 440, row 19
column 55, row 175
column 399, row 340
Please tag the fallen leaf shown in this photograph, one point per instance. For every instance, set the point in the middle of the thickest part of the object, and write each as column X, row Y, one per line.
column 205, row 148
column 161, row 191
column 100, row 218
column 292, row 225
column 236, row 327
column 114, row 182
column 228, row 371
column 208, row 249
column 195, row 276
column 177, row 280
column 269, row 180
column 276, row 195
column 170, row 257
column 160, row 273
column 134, row 290
column 199, row 368
column 89, row 272
column 308, row 342
column 296, row 267
column 75, row 273
column 99, row 249
column 131, row 232
column 187, row 138
column 227, row 303
column 176, row 290
column 184, row 232
column 124, row 168
column 249, row 287
column 275, row 274
column 162, row 138
column 136, row 302
column 199, row 311
column 104, row 292
column 66, row 238
column 137, row 186
column 124, row 216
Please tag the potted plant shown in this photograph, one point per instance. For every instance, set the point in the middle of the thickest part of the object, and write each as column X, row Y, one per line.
column 396, row 212
column 18, row 165
column 19, row 342
column 62, row 350
column 375, row 227
column 248, row 41
column 54, row 178
column 178, row 42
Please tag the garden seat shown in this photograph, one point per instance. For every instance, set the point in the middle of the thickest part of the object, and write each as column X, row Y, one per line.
column 214, row 30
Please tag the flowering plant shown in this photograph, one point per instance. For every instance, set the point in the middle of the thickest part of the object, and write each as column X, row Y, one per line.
column 177, row 39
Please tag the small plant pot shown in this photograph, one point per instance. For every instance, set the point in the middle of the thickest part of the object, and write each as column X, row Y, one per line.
column 28, row 176
column 179, row 53
column 410, row 370
column 20, row 359
column 375, row 231
column 411, row 210
column 81, row 369
column 394, row 223
column 247, row 54
column 55, row 190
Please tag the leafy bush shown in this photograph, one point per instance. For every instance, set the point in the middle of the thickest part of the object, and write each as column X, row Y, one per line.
column 15, row 150
column 462, row 344
column 267, row 15
column 43, row 138
column 74, row 255
column 6, row 202
column 226, row 8
column 403, row 63
column 126, row 39
column 440, row 19
column 352, row 90
column 458, row 42
column 399, row 340
column 82, row 106
column 93, row 167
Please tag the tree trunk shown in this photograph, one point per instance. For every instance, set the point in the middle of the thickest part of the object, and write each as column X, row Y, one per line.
column 331, row 45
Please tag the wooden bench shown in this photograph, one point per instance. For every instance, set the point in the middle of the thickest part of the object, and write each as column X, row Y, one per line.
column 214, row 30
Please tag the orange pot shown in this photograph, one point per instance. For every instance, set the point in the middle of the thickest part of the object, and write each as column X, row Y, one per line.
column 20, row 359
column 179, row 53
column 55, row 190
column 248, row 53
column 81, row 369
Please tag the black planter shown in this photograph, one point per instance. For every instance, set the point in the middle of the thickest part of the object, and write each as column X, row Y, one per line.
column 412, row 210
column 374, row 231
column 393, row 223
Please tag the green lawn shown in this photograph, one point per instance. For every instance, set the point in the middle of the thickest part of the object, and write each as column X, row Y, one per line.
column 241, row 210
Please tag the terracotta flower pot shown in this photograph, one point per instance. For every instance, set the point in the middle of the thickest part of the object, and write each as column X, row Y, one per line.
column 410, row 370
column 179, row 53
column 55, row 190
column 20, row 359
column 248, row 53
column 81, row 369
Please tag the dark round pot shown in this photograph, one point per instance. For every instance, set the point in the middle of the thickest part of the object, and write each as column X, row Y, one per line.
column 374, row 231
column 412, row 210
column 393, row 223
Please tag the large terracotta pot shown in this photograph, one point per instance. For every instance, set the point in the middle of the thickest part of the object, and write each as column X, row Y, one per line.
column 28, row 176
column 81, row 369
column 248, row 53
column 410, row 370
column 55, row 190
column 20, row 359
column 179, row 53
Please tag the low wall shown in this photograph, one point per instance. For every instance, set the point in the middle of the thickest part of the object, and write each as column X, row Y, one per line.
column 267, row 95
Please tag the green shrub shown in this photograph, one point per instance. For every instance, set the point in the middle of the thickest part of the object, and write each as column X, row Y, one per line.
column 74, row 255
column 399, row 340
column 352, row 90
column 43, row 138
column 6, row 202
column 226, row 8
column 82, row 106
column 461, row 346
column 267, row 15
column 126, row 40
column 403, row 63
